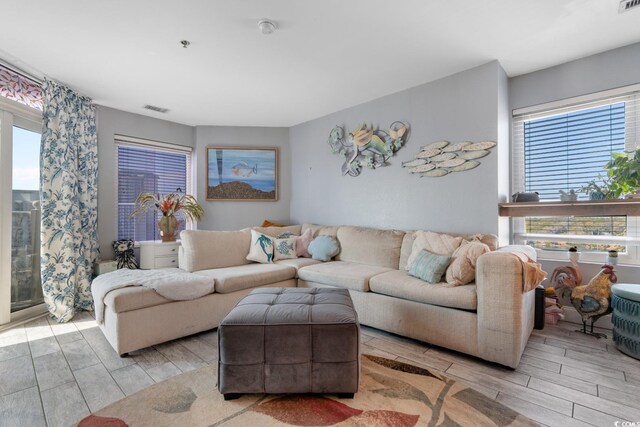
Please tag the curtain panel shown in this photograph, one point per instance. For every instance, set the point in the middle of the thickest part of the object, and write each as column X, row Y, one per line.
column 69, row 197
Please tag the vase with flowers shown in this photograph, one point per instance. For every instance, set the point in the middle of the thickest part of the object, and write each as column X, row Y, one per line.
column 172, row 206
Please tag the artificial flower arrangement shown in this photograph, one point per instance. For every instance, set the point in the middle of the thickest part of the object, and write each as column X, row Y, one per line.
column 170, row 205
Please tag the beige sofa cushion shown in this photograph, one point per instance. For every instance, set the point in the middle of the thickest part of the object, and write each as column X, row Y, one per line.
column 133, row 298
column 202, row 250
column 370, row 246
column 399, row 284
column 298, row 263
column 436, row 243
column 321, row 230
column 342, row 274
column 233, row 279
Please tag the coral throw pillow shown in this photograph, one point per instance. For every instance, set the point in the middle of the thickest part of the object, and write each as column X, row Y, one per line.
column 302, row 243
column 462, row 269
column 436, row 243
column 267, row 223
column 284, row 248
column 261, row 249
column 323, row 248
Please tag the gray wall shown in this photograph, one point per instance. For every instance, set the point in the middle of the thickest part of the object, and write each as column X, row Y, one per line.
column 110, row 123
column 607, row 70
column 461, row 107
column 236, row 215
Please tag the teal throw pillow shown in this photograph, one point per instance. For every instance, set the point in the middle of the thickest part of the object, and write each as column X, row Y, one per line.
column 323, row 248
column 429, row 267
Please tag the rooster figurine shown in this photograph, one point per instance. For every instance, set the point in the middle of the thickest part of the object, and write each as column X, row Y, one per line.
column 593, row 300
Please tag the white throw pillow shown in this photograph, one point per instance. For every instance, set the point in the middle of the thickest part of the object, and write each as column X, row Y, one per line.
column 436, row 243
column 285, row 248
column 261, row 249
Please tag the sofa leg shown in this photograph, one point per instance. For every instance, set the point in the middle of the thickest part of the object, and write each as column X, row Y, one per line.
column 124, row 355
column 231, row 396
column 345, row 395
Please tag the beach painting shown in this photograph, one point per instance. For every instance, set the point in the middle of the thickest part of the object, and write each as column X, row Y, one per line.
column 238, row 173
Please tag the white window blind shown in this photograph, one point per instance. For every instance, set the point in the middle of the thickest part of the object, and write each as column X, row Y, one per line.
column 145, row 166
column 564, row 146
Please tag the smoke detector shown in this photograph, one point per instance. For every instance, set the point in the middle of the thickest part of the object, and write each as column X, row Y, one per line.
column 156, row 109
column 267, row 26
column 627, row 5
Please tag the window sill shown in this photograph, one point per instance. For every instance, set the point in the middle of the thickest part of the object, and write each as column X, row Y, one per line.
column 607, row 207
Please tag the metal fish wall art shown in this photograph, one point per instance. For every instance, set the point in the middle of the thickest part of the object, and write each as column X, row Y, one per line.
column 369, row 147
column 441, row 158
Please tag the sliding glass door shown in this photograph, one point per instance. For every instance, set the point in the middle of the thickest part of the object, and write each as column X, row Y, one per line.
column 20, row 288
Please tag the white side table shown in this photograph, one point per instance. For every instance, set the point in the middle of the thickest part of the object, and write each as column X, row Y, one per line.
column 158, row 254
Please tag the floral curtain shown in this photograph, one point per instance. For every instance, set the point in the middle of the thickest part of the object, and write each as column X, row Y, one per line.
column 69, row 197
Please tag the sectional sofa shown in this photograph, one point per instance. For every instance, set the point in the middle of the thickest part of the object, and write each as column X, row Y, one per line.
column 491, row 318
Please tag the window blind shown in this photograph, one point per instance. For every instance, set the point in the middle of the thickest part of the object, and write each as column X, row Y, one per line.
column 153, row 169
column 563, row 146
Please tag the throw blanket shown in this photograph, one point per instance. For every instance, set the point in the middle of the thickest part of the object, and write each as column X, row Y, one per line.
column 531, row 270
column 171, row 283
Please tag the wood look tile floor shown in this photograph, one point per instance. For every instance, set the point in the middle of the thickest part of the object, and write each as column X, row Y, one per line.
column 54, row 375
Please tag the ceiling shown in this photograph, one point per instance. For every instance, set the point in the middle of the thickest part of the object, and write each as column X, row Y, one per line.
column 327, row 54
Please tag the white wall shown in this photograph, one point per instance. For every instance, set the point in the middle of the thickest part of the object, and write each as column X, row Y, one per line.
column 220, row 215
column 111, row 122
column 607, row 70
column 461, row 107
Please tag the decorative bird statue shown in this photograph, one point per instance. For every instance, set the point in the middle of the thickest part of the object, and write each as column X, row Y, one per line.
column 593, row 300
column 566, row 276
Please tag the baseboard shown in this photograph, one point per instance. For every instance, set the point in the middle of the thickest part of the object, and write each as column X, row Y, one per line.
column 571, row 315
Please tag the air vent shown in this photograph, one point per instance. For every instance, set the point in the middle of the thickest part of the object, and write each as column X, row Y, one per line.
column 627, row 5
column 156, row 109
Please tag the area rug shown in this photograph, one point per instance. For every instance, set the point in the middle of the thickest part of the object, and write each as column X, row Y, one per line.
column 391, row 394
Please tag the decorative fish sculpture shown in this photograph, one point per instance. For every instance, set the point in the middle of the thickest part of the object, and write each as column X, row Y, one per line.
column 455, row 147
column 438, row 144
column 435, row 173
column 425, row 154
column 466, row 166
column 470, row 155
column 484, row 145
column 414, row 162
column 422, row 168
column 442, row 157
column 450, row 163
column 244, row 170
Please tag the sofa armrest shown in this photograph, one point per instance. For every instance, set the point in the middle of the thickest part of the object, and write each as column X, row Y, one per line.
column 505, row 313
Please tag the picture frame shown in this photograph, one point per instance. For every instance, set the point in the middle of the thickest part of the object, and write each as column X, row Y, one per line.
column 242, row 174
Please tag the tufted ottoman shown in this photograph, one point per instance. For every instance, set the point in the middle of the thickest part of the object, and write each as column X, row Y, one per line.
column 290, row 340
column 625, row 300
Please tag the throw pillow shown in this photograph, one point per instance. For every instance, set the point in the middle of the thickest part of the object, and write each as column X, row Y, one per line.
column 284, row 248
column 429, row 267
column 285, row 235
column 436, row 243
column 302, row 243
column 462, row 269
column 323, row 248
column 261, row 249
column 267, row 223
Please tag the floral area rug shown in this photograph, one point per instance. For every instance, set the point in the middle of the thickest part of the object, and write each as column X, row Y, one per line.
column 391, row 394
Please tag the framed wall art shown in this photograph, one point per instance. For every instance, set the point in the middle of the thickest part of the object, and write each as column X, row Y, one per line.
column 242, row 174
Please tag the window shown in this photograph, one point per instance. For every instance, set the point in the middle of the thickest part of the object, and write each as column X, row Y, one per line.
column 564, row 146
column 145, row 166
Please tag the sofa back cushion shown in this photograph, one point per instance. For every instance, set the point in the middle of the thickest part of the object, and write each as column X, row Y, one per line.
column 203, row 250
column 370, row 246
column 321, row 230
column 276, row 231
column 490, row 240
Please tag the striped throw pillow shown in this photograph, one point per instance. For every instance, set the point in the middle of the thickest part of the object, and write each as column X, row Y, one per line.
column 429, row 267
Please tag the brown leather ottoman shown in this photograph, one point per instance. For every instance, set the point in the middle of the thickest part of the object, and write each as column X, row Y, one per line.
column 290, row 340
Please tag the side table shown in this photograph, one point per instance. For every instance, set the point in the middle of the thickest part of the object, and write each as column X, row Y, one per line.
column 158, row 254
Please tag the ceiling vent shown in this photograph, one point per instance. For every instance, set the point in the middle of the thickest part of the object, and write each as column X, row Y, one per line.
column 627, row 5
column 163, row 110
